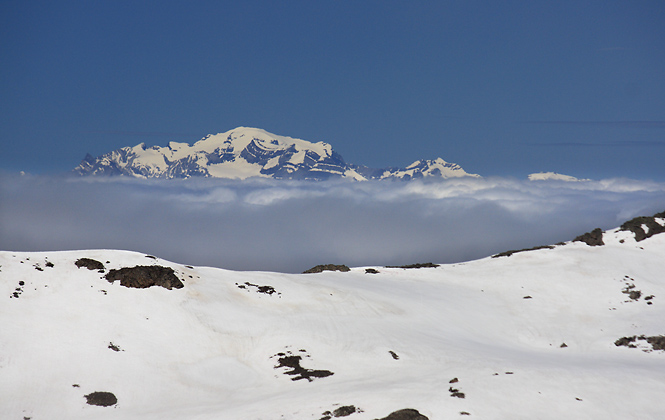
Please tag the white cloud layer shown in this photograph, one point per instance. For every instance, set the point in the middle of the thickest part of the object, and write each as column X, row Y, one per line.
column 290, row 226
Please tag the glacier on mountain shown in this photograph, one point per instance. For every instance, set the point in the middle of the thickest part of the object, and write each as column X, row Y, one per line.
column 251, row 152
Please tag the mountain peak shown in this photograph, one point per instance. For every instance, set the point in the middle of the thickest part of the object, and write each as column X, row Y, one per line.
column 245, row 152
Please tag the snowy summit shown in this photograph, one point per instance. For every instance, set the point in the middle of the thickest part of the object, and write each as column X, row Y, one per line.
column 553, row 176
column 251, row 152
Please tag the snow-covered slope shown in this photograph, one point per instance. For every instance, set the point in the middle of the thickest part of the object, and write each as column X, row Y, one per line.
column 543, row 334
column 249, row 152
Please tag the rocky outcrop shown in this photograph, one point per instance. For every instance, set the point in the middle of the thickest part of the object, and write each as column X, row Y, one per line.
column 405, row 414
column 144, row 276
column 593, row 238
column 327, row 267
column 638, row 225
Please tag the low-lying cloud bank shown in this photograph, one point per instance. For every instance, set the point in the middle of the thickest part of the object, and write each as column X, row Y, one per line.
column 290, row 226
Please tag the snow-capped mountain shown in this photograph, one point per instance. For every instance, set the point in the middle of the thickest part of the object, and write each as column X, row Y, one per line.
column 250, row 152
column 553, row 176
column 573, row 330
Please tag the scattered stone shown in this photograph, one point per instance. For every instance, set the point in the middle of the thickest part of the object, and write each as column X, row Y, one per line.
column 21, row 283
column 89, row 263
column 393, row 354
column 151, row 256
column 49, row 264
column 405, row 414
column 103, row 399
column 632, row 294
column 578, row 399
column 593, row 238
column 371, row 271
column 143, row 276
column 527, row 297
column 327, row 267
column 454, row 392
column 114, row 347
column 418, row 265
column 453, row 381
column 563, row 345
column 76, row 385
column 464, row 413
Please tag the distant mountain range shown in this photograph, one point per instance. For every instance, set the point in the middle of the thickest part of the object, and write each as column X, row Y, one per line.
column 251, row 152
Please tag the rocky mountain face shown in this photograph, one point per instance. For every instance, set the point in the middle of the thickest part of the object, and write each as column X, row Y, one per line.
column 251, row 152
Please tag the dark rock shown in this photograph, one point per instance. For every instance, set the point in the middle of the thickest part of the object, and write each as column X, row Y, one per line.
column 635, row 226
column 657, row 342
column 49, row 264
column 515, row 251
column 344, row 411
column 393, row 354
column 104, row 399
column 454, row 392
column 142, row 276
column 89, row 263
column 299, row 372
column 327, row 267
column 371, row 271
column 268, row 290
column 114, row 347
column 593, row 238
column 418, row 265
column 405, row 414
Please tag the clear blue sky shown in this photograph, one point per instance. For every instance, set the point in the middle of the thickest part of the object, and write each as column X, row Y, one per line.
column 500, row 87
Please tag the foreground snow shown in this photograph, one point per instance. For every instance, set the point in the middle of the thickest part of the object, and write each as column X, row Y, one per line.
column 492, row 331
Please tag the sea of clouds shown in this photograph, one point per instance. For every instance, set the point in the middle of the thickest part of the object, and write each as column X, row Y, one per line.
column 290, row 226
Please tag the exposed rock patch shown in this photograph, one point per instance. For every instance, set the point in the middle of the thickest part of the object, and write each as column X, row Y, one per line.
column 371, row 271
column 103, row 399
column 515, row 251
column 327, row 267
column 89, row 263
column 405, row 414
column 268, row 290
column 657, row 342
column 638, row 224
column 143, row 276
column 292, row 361
column 418, row 265
column 343, row 411
column 593, row 238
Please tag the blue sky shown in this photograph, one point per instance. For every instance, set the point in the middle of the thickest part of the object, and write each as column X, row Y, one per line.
column 501, row 87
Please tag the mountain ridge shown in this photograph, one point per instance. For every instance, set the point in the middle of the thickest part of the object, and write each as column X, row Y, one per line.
column 246, row 152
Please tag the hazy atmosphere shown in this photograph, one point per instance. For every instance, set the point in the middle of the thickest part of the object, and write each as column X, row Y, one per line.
column 504, row 89
column 291, row 226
